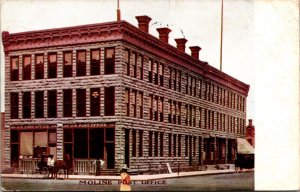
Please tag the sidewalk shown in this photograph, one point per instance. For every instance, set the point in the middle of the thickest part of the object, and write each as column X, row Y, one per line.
column 133, row 177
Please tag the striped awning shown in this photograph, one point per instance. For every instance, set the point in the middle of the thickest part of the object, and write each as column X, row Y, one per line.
column 244, row 147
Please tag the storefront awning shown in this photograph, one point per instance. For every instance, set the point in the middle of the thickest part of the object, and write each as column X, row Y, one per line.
column 244, row 146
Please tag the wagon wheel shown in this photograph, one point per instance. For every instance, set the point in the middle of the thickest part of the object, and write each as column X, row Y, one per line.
column 45, row 171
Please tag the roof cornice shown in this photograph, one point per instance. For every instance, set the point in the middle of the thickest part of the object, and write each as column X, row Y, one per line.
column 119, row 30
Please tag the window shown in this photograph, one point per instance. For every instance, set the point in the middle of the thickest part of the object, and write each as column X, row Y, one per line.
column 194, row 87
column 81, row 63
column 109, row 99
column 217, row 114
column 213, row 93
column 186, row 146
column 127, row 102
column 27, row 67
column 52, row 100
column 170, row 144
column 205, row 119
column 127, row 62
column 187, row 84
column 26, row 105
column 179, row 146
column 200, row 117
column 194, row 116
column 174, row 78
column 109, row 62
column 190, row 115
column 213, row 120
column 95, row 62
column 191, row 82
column 161, row 74
column 150, row 143
column 52, row 65
column 155, row 103
column 155, row 71
column 174, row 145
column 14, row 68
column 179, row 113
column 133, row 65
column 140, row 63
column 170, row 78
column 200, row 89
column 161, row 144
column 174, row 112
column 67, row 102
column 140, row 143
column 151, row 107
column 194, row 145
column 140, row 100
column 39, row 67
column 133, row 102
column 39, row 104
column 14, row 105
column 179, row 81
column 80, row 102
column 186, row 114
column 67, row 64
column 81, row 143
column 150, row 70
column 161, row 109
column 155, row 144
column 170, row 111
column 95, row 101
column 133, row 143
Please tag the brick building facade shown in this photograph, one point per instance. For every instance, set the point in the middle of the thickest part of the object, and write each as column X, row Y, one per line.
column 250, row 133
column 2, row 139
column 113, row 91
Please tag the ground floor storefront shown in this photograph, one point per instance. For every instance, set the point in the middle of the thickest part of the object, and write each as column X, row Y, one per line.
column 143, row 150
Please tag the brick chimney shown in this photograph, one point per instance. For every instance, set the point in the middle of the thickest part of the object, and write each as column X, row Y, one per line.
column 143, row 21
column 250, row 122
column 195, row 51
column 181, row 44
column 164, row 34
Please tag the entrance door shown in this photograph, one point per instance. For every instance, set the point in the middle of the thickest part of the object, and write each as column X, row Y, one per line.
column 127, row 147
column 110, row 147
column 110, row 155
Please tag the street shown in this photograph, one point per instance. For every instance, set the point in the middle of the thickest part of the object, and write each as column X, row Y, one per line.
column 232, row 181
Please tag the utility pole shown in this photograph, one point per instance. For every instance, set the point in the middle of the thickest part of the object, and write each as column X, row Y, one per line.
column 221, row 48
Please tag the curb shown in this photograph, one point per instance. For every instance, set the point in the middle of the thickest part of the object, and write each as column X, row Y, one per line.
column 134, row 177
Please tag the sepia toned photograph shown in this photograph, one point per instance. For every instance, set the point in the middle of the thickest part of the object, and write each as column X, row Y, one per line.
column 128, row 95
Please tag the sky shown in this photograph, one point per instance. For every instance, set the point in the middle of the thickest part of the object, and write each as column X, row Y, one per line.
column 260, row 48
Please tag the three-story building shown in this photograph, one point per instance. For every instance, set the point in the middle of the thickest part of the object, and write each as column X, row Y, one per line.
column 114, row 91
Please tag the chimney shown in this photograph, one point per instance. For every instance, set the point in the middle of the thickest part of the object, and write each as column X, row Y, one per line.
column 181, row 44
column 195, row 51
column 143, row 22
column 164, row 34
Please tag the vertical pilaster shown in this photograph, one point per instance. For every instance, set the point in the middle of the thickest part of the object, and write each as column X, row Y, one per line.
column 59, row 141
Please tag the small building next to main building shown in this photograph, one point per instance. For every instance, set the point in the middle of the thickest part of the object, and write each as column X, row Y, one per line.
column 114, row 91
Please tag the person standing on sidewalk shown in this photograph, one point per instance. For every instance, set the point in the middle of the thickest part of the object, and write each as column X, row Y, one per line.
column 99, row 164
column 125, row 179
column 50, row 164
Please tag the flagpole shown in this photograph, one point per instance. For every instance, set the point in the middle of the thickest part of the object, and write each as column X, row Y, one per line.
column 118, row 12
column 221, row 48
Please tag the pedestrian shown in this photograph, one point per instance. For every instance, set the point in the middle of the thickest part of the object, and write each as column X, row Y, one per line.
column 50, row 164
column 125, row 179
column 236, row 165
column 42, row 163
column 99, row 164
